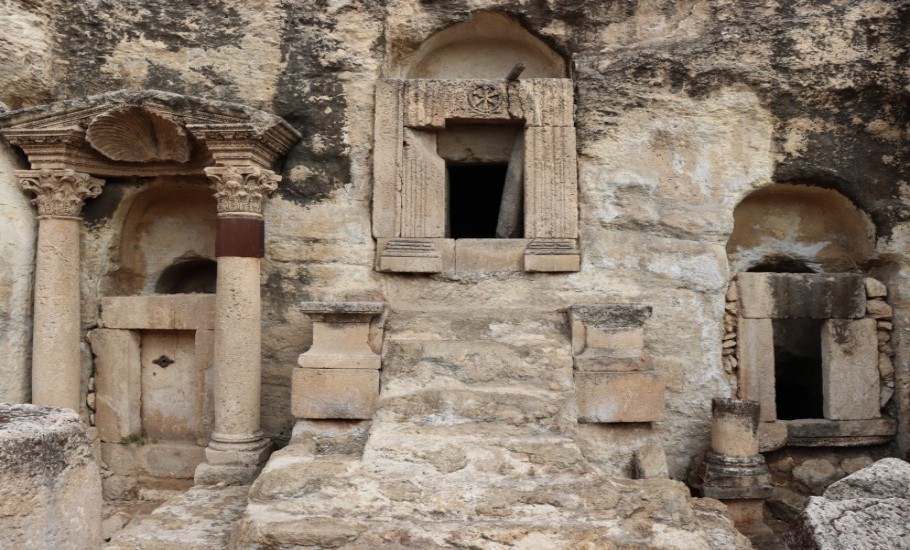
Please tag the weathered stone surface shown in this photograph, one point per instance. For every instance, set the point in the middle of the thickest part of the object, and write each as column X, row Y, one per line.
column 335, row 393
column 185, row 312
column 51, row 483
column 887, row 478
column 619, row 397
column 862, row 523
column 815, row 472
column 850, row 379
column 811, row 432
column 791, row 295
column 201, row 519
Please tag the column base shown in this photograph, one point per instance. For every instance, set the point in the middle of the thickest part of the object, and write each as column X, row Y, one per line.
column 232, row 463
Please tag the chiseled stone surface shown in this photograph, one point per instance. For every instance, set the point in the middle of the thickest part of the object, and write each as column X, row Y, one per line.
column 51, row 483
column 201, row 519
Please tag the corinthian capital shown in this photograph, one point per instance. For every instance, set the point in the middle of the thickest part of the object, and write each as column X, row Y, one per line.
column 59, row 193
column 242, row 189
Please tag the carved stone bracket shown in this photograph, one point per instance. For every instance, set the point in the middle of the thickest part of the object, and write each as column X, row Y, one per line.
column 59, row 193
column 242, row 190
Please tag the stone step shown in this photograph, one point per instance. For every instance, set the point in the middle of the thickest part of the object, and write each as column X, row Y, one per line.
column 549, row 411
column 203, row 518
column 511, row 326
column 301, row 501
column 476, row 363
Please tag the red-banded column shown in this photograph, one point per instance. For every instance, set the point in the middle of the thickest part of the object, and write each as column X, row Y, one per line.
column 237, row 446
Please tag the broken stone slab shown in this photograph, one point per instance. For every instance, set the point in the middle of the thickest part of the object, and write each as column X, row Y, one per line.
column 801, row 295
column 887, row 478
column 860, row 523
column 51, row 482
column 850, row 376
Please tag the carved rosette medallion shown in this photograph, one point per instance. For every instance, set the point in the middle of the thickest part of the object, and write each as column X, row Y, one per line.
column 59, row 193
column 485, row 98
column 242, row 190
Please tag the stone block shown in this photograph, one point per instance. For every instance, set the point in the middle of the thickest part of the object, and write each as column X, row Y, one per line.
column 117, row 383
column 856, row 523
column 850, row 380
column 340, row 346
column 619, row 397
column 386, row 157
column 771, row 436
column 801, row 295
column 755, row 359
column 162, row 312
column 875, row 288
column 819, row 432
column 489, row 255
column 552, row 263
column 416, row 255
column 615, row 343
column 879, row 309
column 51, row 482
column 334, row 393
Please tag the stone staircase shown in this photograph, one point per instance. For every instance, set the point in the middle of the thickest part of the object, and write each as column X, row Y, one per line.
column 473, row 445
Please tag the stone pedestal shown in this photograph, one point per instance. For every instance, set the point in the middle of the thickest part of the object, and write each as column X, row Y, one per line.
column 338, row 377
column 734, row 471
column 59, row 196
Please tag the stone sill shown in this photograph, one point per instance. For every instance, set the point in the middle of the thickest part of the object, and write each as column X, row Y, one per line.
column 451, row 256
column 821, row 432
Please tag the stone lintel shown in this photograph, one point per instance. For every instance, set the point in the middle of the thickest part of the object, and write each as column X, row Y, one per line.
column 416, row 255
column 801, row 295
column 162, row 312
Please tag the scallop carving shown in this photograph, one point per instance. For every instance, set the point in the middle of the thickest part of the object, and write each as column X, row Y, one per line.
column 136, row 135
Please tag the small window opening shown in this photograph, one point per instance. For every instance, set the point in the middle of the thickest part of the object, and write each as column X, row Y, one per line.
column 798, row 368
column 187, row 277
column 475, row 195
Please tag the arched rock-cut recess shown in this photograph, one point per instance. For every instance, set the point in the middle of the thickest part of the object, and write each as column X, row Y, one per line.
column 163, row 225
column 485, row 46
column 799, row 224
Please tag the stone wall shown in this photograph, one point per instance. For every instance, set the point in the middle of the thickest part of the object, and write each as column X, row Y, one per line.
column 682, row 109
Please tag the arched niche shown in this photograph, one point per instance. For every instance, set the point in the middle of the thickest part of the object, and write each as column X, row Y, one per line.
column 485, row 46
column 803, row 323
column 799, row 228
column 167, row 241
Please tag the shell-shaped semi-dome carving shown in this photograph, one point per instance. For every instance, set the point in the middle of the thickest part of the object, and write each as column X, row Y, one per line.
column 136, row 135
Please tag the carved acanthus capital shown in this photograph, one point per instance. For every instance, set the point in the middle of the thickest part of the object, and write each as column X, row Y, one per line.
column 241, row 190
column 59, row 193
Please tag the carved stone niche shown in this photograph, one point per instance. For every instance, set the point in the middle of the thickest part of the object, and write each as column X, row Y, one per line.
column 411, row 192
column 153, row 359
column 808, row 350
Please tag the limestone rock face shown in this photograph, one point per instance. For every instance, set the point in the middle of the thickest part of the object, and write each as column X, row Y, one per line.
column 51, row 484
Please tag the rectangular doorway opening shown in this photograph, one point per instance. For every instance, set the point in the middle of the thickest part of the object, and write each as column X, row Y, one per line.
column 475, row 195
column 798, row 368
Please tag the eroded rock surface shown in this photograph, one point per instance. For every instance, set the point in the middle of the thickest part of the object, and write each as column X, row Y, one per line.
column 51, row 484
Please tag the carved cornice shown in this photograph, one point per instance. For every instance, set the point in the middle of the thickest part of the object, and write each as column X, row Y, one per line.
column 242, row 189
column 146, row 133
column 59, row 193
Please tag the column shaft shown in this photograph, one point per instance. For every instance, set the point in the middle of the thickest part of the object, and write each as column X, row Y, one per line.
column 237, row 354
column 55, row 343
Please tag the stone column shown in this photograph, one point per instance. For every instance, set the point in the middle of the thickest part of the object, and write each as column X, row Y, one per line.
column 59, row 196
column 237, row 448
column 735, row 472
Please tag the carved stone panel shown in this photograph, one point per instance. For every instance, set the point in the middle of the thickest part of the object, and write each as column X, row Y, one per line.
column 423, row 187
